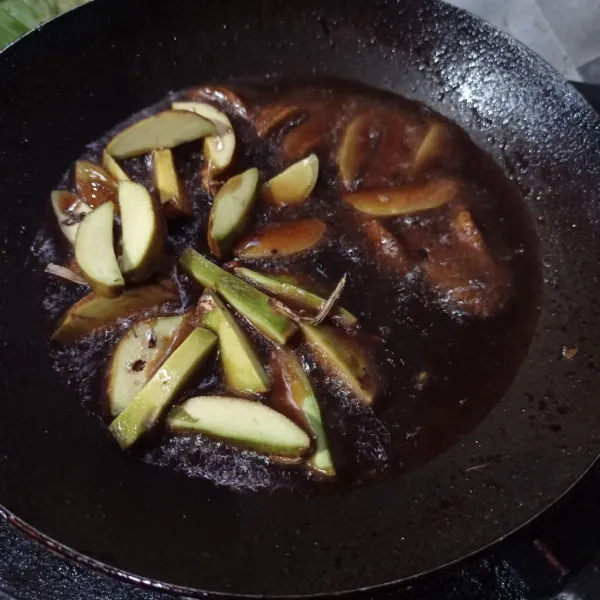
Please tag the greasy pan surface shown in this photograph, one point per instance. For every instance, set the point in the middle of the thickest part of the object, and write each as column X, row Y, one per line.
column 60, row 472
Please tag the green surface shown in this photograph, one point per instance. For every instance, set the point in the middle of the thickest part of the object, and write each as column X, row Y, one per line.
column 17, row 17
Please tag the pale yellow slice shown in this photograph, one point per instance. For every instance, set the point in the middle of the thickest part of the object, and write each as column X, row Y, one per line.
column 164, row 130
column 95, row 253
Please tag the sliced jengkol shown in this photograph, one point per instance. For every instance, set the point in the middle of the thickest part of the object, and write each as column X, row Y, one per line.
column 242, row 423
column 171, row 191
column 114, row 168
column 312, row 132
column 273, row 116
column 246, row 299
column 432, row 147
column 388, row 251
column 95, row 312
column 145, row 409
column 230, row 211
column 95, row 253
column 353, row 148
column 164, row 130
column 276, row 240
column 243, row 371
column 293, row 293
column 139, row 354
column 143, row 229
column 293, row 395
column 343, row 357
column 464, row 269
column 218, row 149
column 294, row 185
column 70, row 210
column 93, row 184
column 406, row 199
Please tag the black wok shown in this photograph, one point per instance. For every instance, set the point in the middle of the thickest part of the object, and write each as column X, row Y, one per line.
column 61, row 474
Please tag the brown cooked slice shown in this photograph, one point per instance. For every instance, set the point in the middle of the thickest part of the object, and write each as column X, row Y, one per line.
column 313, row 132
column 282, row 239
column 405, row 199
column 387, row 249
column 433, row 148
column 356, row 145
column 304, row 138
column 94, row 185
column 464, row 269
column 272, row 116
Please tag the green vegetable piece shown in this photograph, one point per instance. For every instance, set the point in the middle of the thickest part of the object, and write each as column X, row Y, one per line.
column 95, row 253
column 230, row 211
column 244, row 372
column 166, row 129
column 293, row 395
column 139, row 354
column 144, row 231
column 342, row 357
column 294, row 294
column 247, row 300
column 242, row 423
column 144, row 411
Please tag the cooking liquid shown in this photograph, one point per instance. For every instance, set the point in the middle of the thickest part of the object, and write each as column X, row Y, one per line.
column 440, row 369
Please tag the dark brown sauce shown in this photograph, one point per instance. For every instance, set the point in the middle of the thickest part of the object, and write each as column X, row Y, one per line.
column 441, row 366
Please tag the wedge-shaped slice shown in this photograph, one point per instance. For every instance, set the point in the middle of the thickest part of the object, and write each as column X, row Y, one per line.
column 204, row 271
column 114, row 168
column 242, row 423
column 282, row 239
column 145, row 409
column 293, row 395
column 464, row 269
column 256, row 308
column 432, row 147
column 230, row 211
column 388, row 251
column 294, row 294
column 171, row 191
column 163, row 130
column 314, row 130
column 410, row 198
column 139, row 354
column 96, row 312
column 244, row 373
column 354, row 148
column 344, row 358
column 294, row 185
column 247, row 300
column 219, row 148
column 273, row 116
column 95, row 254
column 143, row 228
column 69, row 211
column 93, row 184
